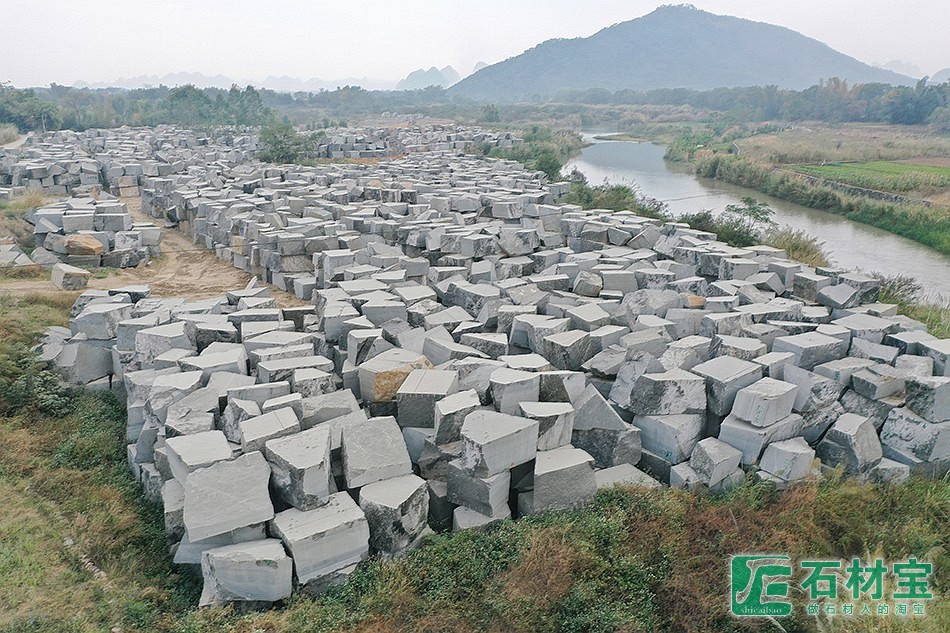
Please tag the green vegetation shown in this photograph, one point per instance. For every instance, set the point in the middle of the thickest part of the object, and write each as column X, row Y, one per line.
column 60, row 107
column 883, row 175
column 738, row 225
column 80, row 550
column 612, row 198
column 927, row 225
column 544, row 149
column 281, row 143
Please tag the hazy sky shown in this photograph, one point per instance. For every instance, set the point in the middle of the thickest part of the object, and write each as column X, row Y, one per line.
column 64, row 41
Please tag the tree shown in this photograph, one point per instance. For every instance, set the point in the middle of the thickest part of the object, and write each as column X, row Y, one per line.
column 280, row 143
column 489, row 114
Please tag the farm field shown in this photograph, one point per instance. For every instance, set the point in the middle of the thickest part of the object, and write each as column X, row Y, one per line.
column 891, row 176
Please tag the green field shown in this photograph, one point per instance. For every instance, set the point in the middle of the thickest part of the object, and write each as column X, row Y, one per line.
column 883, row 175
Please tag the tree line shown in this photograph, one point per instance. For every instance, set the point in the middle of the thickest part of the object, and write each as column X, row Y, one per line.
column 833, row 100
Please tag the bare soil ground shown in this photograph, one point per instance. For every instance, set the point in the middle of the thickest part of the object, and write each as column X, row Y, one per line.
column 182, row 270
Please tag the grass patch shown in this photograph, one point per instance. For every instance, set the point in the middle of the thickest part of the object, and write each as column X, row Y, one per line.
column 19, row 273
column 80, row 550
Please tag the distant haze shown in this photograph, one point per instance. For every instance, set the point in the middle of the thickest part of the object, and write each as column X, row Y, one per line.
column 376, row 43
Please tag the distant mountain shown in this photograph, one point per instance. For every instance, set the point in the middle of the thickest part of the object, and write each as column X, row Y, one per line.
column 419, row 79
column 902, row 67
column 479, row 66
column 199, row 80
column 672, row 47
column 940, row 76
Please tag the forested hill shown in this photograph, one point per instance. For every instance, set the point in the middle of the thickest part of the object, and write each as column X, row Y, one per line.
column 672, row 47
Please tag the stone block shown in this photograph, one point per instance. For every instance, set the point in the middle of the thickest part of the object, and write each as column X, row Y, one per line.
column 396, row 510
column 851, row 442
column 563, row 479
column 494, row 442
column 510, row 387
column 374, row 450
column 909, row 434
column 300, row 465
column 188, row 453
column 725, row 376
column 226, row 496
column 878, row 382
column 255, row 431
column 71, row 278
column 765, row 402
column 789, row 460
column 555, row 422
column 324, row 540
column 930, row 398
column 669, row 393
column 811, row 348
column 485, row 495
column 256, row 571
column 449, row 414
column 752, row 440
column 714, row 460
column 624, row 475
column 417, row 396
column 672, row 437
column 381, row 376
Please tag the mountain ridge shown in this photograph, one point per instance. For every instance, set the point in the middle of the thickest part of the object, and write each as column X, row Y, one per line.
column 672, row 47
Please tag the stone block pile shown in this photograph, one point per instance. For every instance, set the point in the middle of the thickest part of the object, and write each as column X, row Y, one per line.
column 89, row 232
column 66, row 162
column 473, row 351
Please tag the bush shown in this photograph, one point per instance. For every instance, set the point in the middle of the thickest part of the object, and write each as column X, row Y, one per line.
column 738, row 225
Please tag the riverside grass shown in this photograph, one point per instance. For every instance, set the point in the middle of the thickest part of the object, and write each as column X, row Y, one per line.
column 927, row 225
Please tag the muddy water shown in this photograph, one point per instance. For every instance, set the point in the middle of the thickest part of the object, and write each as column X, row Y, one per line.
column 851, row 244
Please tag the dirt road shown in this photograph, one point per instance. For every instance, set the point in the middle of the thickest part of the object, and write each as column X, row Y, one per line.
column 181, row 271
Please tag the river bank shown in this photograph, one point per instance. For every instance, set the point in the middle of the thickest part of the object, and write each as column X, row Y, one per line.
column 928, row 225
column 851, row 244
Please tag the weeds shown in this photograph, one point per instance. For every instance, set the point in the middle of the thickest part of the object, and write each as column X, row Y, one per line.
column 798, row 245
column 907, row 293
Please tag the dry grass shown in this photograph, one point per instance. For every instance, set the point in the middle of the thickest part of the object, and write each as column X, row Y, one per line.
column 816, row 143
column 8, row 134
column 544, row 573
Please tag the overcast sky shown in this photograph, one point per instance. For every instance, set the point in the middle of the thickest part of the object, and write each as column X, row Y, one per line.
column 65, row 41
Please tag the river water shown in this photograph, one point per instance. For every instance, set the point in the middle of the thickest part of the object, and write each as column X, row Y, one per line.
column 851, row 244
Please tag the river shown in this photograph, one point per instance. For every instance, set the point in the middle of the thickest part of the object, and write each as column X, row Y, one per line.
column 851, row 244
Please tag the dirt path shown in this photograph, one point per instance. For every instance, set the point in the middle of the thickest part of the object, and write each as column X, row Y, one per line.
column 181, row 271
column 14, row 144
